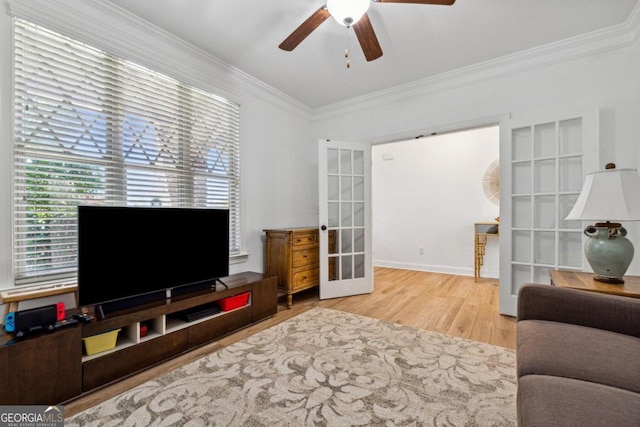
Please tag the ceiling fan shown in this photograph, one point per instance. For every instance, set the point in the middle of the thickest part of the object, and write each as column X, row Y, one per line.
column 350, row 13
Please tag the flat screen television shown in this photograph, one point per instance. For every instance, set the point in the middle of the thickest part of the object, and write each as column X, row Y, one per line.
column 129, row 255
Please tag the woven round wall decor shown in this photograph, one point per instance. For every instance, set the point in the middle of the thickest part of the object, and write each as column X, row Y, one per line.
column 491, row 182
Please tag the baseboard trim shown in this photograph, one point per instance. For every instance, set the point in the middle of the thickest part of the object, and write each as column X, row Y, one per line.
column 460, row 271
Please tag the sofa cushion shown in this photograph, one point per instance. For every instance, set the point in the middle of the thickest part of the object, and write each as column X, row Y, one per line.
column 563, row 402
column 572, row 351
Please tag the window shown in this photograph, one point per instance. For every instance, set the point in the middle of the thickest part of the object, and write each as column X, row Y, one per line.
column 94, row 129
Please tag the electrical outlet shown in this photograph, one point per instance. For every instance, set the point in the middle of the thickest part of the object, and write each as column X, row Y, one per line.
column 421, row 251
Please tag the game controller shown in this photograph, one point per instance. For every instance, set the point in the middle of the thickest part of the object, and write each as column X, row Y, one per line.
column 60, row 311
column 28, row 321
column 10, row 322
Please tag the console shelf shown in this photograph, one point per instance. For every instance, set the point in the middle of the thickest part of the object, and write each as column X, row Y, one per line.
column 131, row 334
column 168, row 335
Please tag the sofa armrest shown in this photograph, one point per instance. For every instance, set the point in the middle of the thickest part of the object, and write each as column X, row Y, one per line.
column 596, row 310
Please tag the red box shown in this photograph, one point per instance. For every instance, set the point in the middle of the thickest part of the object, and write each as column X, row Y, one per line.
column 235, row 301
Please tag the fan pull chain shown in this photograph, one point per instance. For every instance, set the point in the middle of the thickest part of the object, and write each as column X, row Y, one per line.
column 346, row 51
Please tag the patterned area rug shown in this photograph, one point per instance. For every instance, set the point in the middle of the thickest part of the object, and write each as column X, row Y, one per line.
column 327, row 368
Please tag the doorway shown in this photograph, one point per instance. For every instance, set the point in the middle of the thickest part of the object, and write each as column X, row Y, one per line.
column 427, row 193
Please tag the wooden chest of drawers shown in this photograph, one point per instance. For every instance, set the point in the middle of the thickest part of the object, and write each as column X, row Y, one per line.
column 292, row 255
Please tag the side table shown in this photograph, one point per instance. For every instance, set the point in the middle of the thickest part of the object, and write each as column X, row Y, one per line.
column 481, row 231
column 584, row 281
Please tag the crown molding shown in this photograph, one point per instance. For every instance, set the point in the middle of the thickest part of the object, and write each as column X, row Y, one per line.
column 110, row 27
column 107, row 26
column 608, row 39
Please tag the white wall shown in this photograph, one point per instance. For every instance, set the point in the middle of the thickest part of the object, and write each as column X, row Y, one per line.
column 278, row 181
column 427, row 194
column 600, row 69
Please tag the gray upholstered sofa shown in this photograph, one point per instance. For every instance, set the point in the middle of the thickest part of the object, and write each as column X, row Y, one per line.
column 578, row 358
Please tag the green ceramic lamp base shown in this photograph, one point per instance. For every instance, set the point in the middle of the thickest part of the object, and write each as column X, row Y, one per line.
column 608, row 251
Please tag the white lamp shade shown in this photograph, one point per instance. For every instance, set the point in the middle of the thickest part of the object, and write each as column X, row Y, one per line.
column 609, row 195
column 347, row 12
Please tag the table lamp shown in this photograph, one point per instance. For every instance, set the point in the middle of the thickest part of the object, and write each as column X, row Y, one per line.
column 611, row 195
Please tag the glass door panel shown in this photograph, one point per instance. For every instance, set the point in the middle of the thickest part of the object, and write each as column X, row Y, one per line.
column 345, row 243
column 547, row 160
column 571, row 174
column 545, row 140
column 570, row 137
column 544, row 176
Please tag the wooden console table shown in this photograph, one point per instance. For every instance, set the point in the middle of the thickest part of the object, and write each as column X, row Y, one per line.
column 481, row 231
column 584, row 281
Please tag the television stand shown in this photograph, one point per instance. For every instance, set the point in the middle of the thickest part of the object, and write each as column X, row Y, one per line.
column 27, row 363
column 222, row 283
column 168, row 333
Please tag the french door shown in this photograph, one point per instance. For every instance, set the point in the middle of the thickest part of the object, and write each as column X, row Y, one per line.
column 542, row 167
column 344, row 170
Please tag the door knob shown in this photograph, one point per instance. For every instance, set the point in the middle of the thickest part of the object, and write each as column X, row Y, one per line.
column 323, row 228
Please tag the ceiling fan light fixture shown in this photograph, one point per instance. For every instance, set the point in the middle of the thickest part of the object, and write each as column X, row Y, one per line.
column 347, row 12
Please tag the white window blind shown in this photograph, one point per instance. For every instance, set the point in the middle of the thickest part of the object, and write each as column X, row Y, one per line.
column 94, row 129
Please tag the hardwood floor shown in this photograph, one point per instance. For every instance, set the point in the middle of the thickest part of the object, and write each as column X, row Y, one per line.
column 449, row 304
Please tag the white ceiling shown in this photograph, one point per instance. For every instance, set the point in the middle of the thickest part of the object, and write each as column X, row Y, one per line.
column 418, row 41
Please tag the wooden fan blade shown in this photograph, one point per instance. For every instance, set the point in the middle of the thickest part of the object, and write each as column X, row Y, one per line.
column 367, row 38
column 440, row 2
column 301, row 33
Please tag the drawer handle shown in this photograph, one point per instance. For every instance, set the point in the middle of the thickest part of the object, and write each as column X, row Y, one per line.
column 304, row 256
